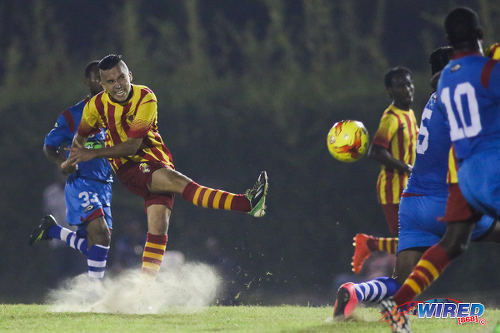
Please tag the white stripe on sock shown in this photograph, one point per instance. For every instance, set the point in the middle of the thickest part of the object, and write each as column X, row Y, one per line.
column 365, row 291
column 383, row 290
column 80, row 241
column 95, row 263
column 358, row 289
column 375, row 291
column 97, row 275
column 64, row 234
column 72, row 240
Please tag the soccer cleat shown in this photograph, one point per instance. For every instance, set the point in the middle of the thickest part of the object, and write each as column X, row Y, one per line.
column 41, row 232
column 257, row 196
column 398, row 319
column 361, row 252
column 346, row 301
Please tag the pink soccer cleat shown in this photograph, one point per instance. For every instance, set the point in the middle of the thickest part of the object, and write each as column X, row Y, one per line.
column 346, row 301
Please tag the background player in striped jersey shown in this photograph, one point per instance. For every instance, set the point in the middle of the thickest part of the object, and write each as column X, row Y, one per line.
column 142, row 161
column 87, row 191
column 469, row 88
column 394, row 147
column 422, row 202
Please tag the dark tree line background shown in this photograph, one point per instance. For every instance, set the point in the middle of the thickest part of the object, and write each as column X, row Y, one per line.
column 243, row 86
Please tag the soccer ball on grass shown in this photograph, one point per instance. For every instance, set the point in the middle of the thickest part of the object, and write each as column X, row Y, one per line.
column 347, row 140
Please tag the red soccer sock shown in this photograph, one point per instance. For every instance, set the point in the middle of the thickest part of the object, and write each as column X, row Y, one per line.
column 216, row 199
column 154, row 249
column 429, row 267
column 383, row 244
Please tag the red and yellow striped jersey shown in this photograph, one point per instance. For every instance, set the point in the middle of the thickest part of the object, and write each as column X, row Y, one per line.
column 397, row 132
column 135, row 119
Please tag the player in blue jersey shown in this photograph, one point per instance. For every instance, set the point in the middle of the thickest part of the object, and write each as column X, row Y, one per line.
column 469, row 101
column 423, row 201
column 87, row 191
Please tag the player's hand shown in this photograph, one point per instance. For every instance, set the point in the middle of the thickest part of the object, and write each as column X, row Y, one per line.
column 78, row 154
column 68, row 168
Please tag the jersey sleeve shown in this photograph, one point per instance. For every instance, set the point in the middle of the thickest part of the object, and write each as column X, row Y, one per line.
column 89, row 123
column 490, row 77
column 59, row 134
column 387, row 128
column 452, row 177
column 145, row 117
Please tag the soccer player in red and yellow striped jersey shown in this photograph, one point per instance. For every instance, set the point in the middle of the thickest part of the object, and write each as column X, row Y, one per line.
column 394, row 144
column 142, row 161
column 394, row 147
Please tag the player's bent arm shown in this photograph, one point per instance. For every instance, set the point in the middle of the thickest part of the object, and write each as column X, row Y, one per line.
column 383, row 156
column 54, row 154
column 80, row 154
column 122, row 149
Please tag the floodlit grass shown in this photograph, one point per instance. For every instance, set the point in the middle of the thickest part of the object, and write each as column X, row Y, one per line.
column 38, row 318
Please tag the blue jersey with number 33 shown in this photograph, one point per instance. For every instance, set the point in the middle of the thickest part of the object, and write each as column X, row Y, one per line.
column 469, row 96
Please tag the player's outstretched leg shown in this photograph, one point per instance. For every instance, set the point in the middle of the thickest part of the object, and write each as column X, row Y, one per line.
column 49, row 229
column 397, row 318
column 351, row 294
column 252, row 202
column 365, row 244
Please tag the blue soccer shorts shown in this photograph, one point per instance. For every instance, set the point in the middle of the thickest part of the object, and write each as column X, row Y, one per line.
column 86, row 200
column 479, row 181
column 418, row 224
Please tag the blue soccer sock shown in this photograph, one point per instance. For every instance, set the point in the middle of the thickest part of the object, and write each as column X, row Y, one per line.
column 376, row 290
column 70, row 237
column 96, row 260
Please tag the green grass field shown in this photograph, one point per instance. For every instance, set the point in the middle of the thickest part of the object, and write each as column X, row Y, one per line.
column 38, row 318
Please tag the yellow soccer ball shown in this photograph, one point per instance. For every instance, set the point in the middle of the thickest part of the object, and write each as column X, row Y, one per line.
column 347, row 140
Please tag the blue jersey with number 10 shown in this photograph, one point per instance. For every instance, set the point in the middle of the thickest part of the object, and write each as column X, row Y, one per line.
column 469, row 95
column 428, row 176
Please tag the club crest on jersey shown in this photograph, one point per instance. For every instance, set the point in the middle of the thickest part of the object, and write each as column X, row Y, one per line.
column 144, row 167
column 455, row 68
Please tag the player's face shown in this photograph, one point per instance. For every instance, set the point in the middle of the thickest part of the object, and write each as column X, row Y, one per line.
column 116, row 82
column 402, row 91
column 94, row 81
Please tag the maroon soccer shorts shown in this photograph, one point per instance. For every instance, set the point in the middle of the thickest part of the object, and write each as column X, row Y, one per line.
column 137, row 176
column 391, row 217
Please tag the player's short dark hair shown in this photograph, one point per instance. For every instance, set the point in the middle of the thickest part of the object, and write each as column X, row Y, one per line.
column 109, row 61
column 462, row 25
column 399, row 70
column 94, row 64
column 440, row 58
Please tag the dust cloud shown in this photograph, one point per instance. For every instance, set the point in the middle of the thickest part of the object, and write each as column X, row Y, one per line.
column 187, row 287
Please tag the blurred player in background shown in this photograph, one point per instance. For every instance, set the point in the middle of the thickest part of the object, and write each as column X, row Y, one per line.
column 422, row 203
column 141, row 160
column 475, row 80
column 493, row 51
column 393, row 146
column 87, row 191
